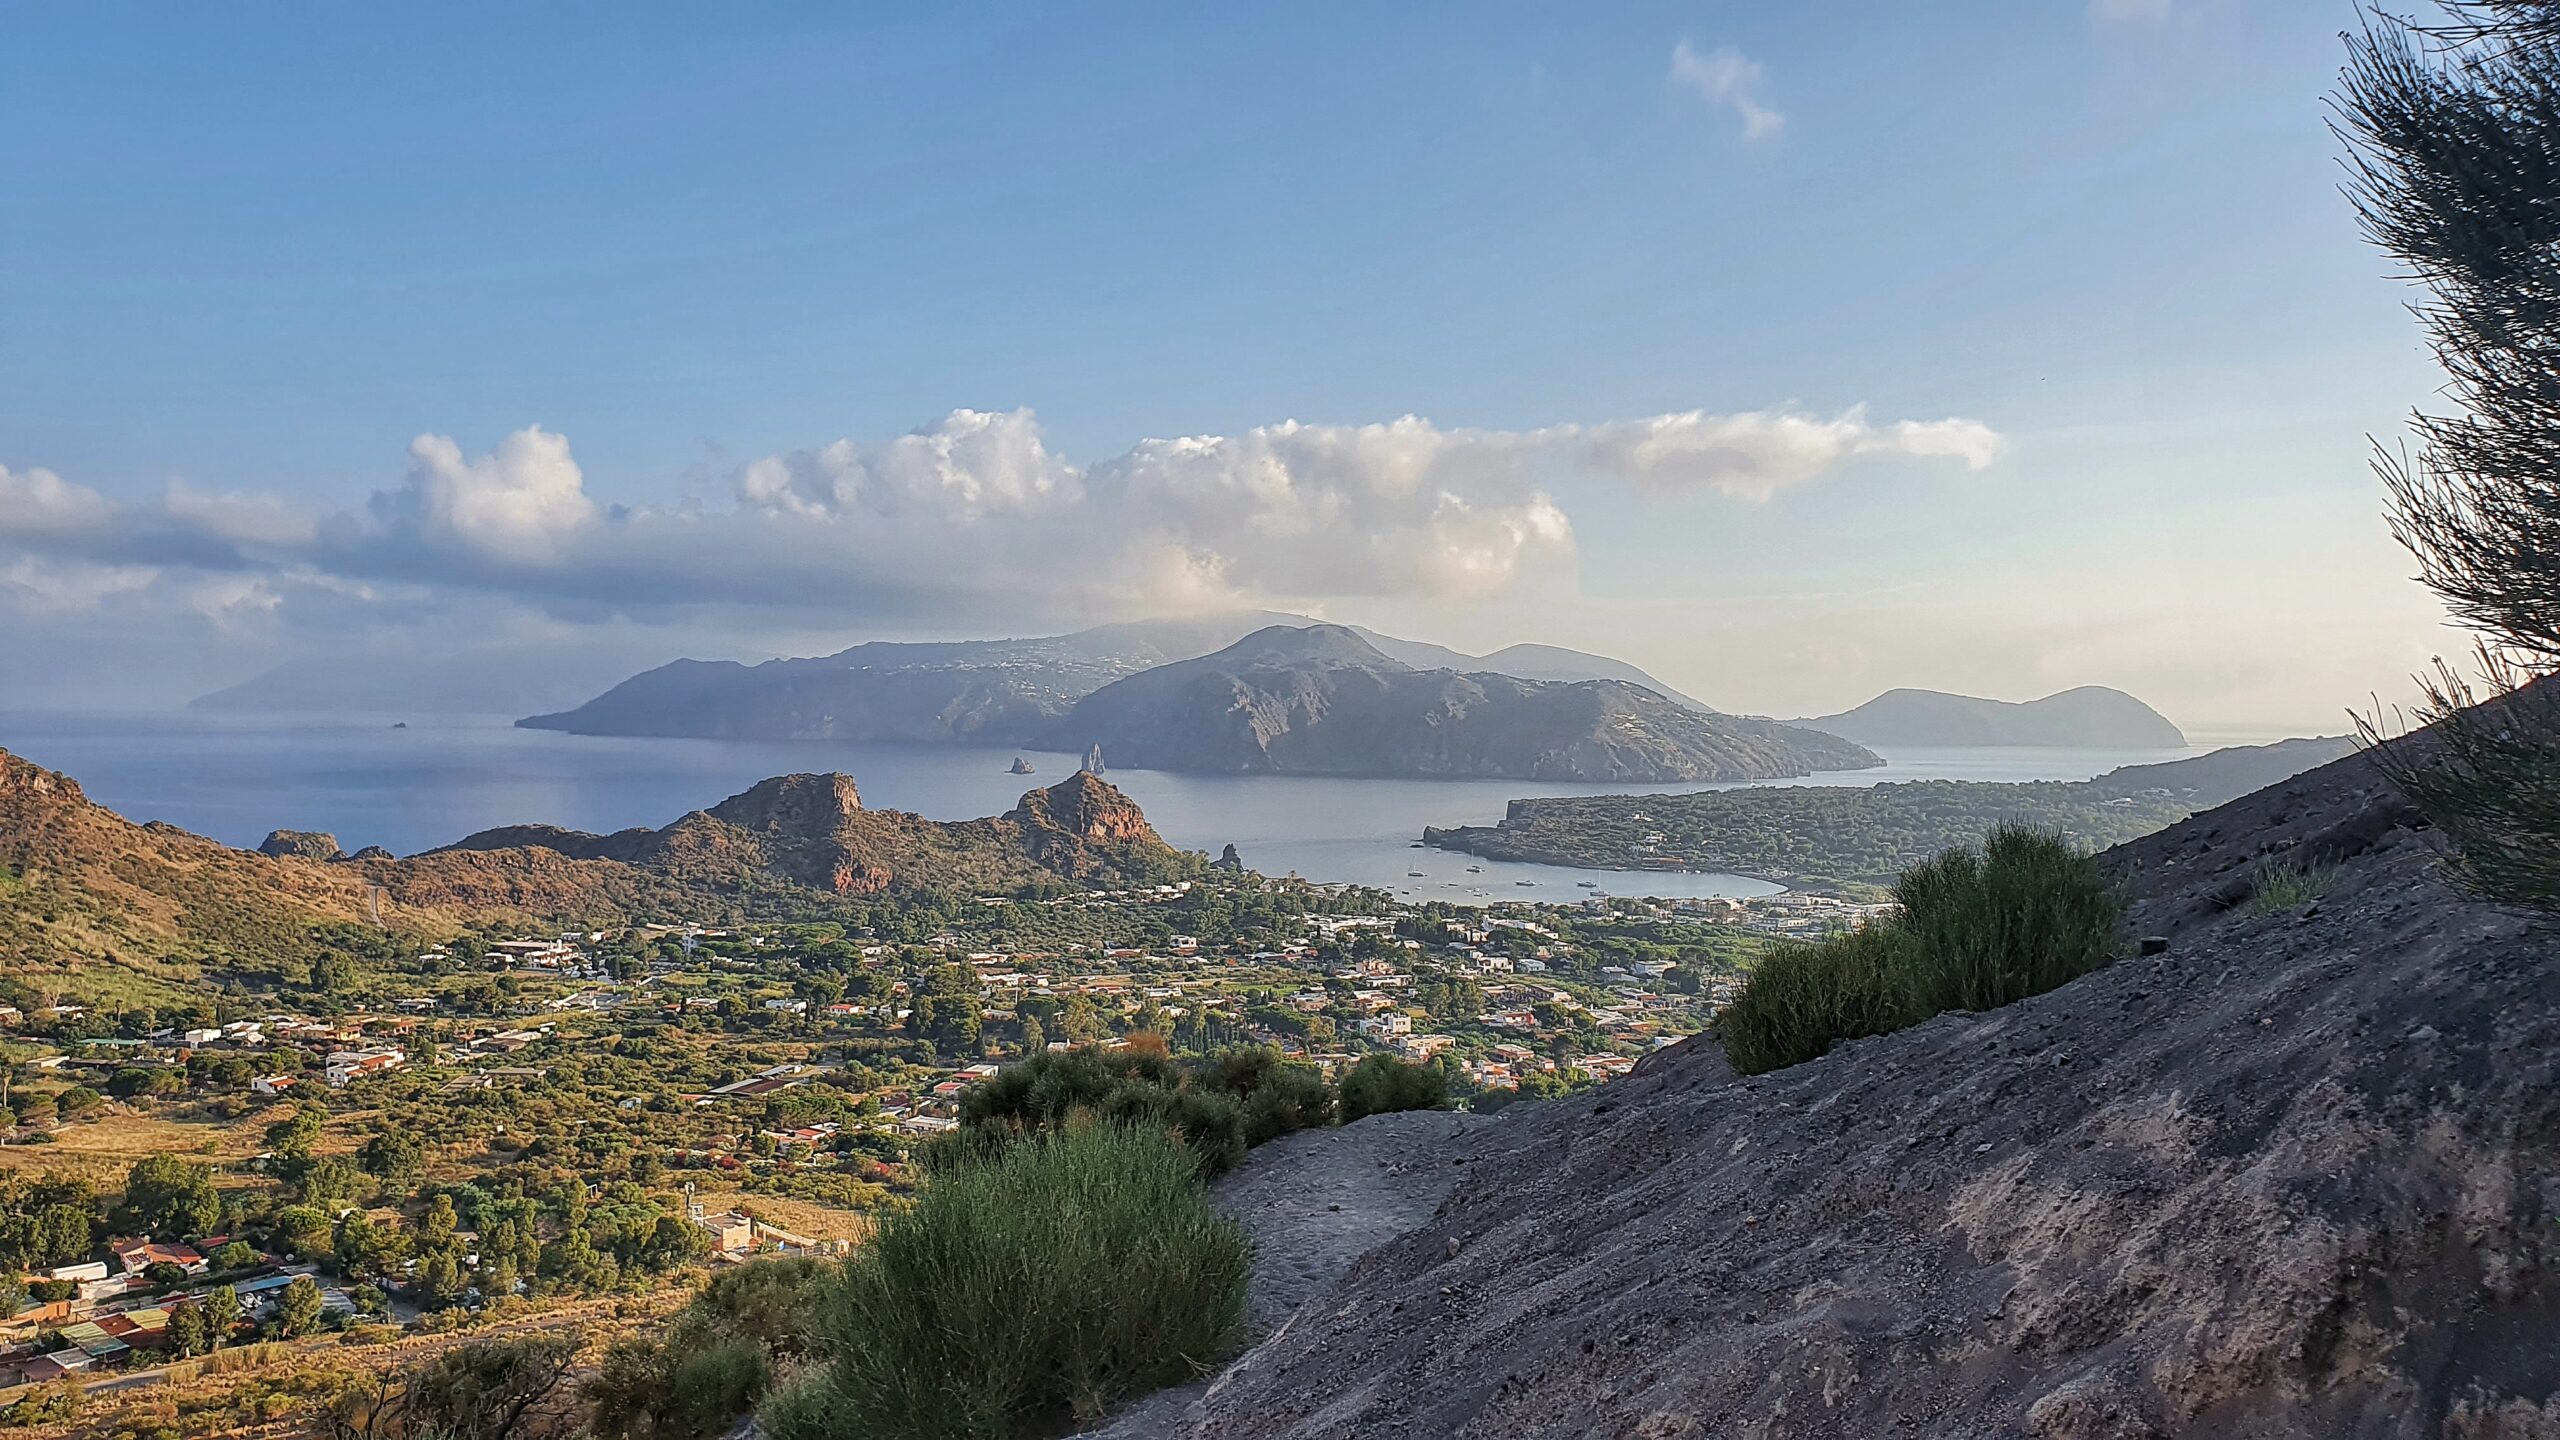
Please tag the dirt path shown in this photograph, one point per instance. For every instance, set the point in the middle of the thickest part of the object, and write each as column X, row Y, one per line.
column 1315, row 1203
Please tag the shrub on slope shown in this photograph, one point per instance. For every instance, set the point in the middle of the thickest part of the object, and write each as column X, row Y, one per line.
column 1023, row 1294
column 1382, row 1084
column 1971, row 931
column 1240, row 1097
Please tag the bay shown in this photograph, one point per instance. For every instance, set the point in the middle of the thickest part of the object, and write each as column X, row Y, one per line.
column 438, row 778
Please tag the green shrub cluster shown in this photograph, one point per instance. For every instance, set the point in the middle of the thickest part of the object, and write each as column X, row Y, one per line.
column 715, row 1361
column 1024, row 1294
column 1216, row 1107
column 1382, row 1083
column 1972, row 930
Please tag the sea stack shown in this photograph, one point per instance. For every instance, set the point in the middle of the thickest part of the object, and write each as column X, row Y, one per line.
column 1093, row 761
column 1020, row 766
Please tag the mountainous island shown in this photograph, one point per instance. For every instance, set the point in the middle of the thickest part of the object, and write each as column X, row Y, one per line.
column 991, row 692
column 2091, row 717
column 1323, row 700
column 1862, row 837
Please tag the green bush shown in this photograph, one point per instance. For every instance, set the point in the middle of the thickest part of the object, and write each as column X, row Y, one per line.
column 1380, row 1084
column 715, row 1361
column 2277, row 887
column 1023, row 1295
column 1217, row 1108
column 1971, row 931
column 1802, row 999
column 2024, row 915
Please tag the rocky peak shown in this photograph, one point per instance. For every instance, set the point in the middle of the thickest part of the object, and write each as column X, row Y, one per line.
column 300, row 844
column 792, row 805
column 1281, row 647
column 1088, row 807
column 24, row 777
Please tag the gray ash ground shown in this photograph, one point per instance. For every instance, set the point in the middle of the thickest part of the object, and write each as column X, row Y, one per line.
column 2299, row 1176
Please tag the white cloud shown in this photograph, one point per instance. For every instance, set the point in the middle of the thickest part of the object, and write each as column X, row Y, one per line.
column 1725, row 76
column 229, row 601
column 245, row 519
column 40, row 587
column 1755, row 454
column 2118, row 12
column 968, row 466
column 973, row 519
column 520, row 502
column 39, row 500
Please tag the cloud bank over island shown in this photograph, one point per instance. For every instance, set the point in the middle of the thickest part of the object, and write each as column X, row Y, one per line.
column 975, row 517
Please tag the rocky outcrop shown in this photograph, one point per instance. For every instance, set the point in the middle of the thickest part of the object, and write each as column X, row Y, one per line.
column 1322, row 700
column 1228, row 859
column 811, row 832
column 1070, row 825
column 2296, row 1177
column 305, row 844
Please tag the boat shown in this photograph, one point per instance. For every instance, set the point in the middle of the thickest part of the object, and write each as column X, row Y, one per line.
column 1532, row 884
column 1413, row 874
column 1475, row 869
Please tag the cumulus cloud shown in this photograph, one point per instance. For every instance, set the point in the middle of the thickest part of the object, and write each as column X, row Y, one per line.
column 1725, row 76
column 520, row 502
column 1758, row 453
column 40, row 501
column 968, row 467
column 975, row 518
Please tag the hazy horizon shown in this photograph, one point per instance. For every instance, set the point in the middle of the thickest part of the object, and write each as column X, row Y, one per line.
column 1997, row 350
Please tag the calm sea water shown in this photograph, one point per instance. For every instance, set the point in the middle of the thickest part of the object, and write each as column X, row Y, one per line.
column 445, row 777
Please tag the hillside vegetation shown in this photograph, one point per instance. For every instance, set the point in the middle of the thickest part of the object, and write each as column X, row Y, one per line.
column 93, row 904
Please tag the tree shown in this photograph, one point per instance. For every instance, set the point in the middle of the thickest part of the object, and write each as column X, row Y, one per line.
column 484, row 1390
column 299, row 1307
column 393, row 1155
column 221, row 1315
column 171, row 1198
column 2456, row 174
column 187, row 1328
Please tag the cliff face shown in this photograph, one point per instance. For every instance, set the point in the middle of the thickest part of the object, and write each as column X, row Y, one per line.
column 1322, row 700
column 2298, row 1177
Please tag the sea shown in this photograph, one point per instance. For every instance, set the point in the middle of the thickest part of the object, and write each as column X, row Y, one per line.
column 411, row 785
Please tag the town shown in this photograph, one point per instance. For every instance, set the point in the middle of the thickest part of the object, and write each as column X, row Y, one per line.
column 496, row 1122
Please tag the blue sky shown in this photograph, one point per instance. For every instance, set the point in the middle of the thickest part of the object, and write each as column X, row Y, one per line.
column 258, row 253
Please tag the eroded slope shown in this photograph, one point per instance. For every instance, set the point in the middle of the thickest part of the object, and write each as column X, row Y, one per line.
column 2295, row 1177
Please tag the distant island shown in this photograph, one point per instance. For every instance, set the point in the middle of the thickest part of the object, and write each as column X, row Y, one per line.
column 2092, row 717
column 986, row 692
column 1860, row 838
column 1324, row 700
